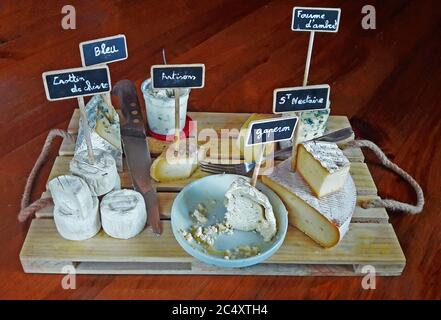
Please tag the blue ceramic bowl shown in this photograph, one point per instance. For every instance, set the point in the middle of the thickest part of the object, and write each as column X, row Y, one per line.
column 211, row 190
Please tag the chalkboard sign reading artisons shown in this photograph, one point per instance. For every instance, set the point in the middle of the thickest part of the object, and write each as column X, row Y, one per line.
column 178, row 76
column 301, row 98
column 104, row 50
column 271, row 130
column 71, row 83
column 315, row 19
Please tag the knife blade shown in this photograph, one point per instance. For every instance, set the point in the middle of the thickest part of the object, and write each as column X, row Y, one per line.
column 136, row 150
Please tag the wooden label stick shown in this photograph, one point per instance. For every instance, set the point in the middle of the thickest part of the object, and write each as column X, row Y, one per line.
column 258, row 165
column 177, row 93
column 86, row 130
column 308, row 58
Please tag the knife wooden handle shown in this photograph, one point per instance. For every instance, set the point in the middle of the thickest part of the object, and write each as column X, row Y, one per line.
column 126, row 92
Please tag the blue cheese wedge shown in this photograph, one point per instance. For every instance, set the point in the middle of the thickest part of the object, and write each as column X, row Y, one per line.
column 249, row 209
column 104, row 124
column 326, row 220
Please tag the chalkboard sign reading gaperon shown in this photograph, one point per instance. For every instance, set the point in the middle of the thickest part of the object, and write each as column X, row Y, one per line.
column 104, row 50
column 301, row 98
column 71, row 83
column 271, row 130
column 315, row 19
column 178, row 76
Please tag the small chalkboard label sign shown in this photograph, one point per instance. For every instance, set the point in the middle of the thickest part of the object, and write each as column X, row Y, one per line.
column 315, row 19
column 104, row 50
column 301, row 98
column 271, row 130
column 71, row 83
column 178, row 76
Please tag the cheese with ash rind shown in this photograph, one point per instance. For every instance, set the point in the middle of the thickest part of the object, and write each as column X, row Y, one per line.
column 104, row 124
column 249, row 209
column 101, row 176
column 76, row 213
column 123, row 213
column 326, row 220
column 323, row 166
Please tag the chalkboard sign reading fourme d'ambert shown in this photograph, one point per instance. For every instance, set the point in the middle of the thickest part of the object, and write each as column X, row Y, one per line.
column 271, row 130
column 315, row 19
column 178, row 76
column 71, row 83
column 301, row 98
column 104, row 50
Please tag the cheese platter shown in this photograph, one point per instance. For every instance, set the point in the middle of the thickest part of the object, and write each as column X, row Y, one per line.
column 370, row 240
column 173, row 201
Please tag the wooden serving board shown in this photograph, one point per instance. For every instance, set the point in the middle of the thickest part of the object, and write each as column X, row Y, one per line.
column 370, row 240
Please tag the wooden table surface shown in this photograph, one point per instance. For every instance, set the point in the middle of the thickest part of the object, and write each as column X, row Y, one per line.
column 387, row 81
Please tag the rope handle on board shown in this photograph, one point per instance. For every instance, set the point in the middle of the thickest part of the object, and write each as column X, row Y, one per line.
column 27, row 210
column 390, row 204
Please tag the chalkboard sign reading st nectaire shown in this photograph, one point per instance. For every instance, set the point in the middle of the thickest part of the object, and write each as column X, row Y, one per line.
column 301, row 98
column 71, row 83
column 104, row 50
column 271, row 130
column 178, row 76
column 315, row 19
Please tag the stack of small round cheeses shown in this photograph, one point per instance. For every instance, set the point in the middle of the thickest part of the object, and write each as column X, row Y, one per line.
column 122, row 213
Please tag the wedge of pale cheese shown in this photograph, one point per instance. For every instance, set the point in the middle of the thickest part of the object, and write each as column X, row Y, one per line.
column 323, row 165
column 177, row 162
column 249, row 209
column 326, row 220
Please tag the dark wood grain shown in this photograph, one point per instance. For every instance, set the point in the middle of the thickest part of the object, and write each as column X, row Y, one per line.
column 386, row 80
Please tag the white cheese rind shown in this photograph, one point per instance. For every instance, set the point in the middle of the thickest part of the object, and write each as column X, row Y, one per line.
column 102, row 176
column 76, row 213
column 249, row 209
column 123, row 213
column 104, row 124
column 326, row 220
column 327, row 154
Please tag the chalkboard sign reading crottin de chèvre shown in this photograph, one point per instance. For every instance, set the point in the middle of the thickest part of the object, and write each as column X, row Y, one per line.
column 271, row 130
column 178, row 76
column 301, row 98
column 104, row 50
column 315, row 19
column 71, row 83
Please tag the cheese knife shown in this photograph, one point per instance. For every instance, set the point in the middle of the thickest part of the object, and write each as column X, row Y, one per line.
column 136, row 150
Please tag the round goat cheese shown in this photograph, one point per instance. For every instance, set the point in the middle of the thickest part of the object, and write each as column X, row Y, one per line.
column 123, row 213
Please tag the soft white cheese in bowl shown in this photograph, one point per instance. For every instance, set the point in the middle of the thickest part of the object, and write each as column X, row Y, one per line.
column 160, row 106
column 202, row 228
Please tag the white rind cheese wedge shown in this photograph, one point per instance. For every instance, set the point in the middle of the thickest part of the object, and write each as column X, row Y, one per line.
column 123, row 213
column 177, row 162
column 249, row 209
column 325, row 220
column 102, row 176
column 104, row 125
column 323, row 165
column 76, row 213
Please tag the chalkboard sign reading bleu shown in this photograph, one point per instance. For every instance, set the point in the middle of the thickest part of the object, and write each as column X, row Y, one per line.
column 178, row 76
column 315, row 19
column 71, row 83
column 104, row 50
column 271, row 130
column 301, row 98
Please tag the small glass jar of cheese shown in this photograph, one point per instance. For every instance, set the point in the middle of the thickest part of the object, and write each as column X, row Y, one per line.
column 160, row 107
